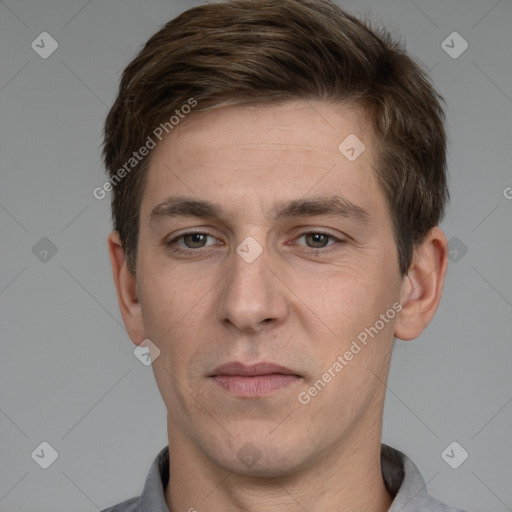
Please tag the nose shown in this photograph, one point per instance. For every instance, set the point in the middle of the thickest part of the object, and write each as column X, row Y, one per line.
column 251, row 295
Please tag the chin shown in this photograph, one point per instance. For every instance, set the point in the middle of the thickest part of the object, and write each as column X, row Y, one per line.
column 262, row 459
column 263, row 469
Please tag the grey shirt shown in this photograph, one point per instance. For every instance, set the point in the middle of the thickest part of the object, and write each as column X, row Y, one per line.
column 402, row 478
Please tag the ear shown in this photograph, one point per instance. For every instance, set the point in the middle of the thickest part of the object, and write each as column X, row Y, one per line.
column 126, row 287
column 422, row 287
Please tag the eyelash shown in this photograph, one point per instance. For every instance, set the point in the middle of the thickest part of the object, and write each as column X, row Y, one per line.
column 172, row 244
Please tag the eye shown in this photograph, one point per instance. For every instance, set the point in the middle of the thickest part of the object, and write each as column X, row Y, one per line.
column 191, row 240
column 318, row 240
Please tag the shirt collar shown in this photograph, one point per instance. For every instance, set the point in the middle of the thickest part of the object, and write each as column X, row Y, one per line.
column 401, row 477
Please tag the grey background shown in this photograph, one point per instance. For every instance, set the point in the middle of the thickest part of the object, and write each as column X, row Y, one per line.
column 68, row 372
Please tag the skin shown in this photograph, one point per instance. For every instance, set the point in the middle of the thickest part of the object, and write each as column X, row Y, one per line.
column 299, row 304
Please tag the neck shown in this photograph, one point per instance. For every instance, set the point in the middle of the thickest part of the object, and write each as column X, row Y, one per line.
column 344, row 478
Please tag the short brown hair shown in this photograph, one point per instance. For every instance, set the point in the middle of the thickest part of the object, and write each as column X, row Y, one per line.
column 244, row 52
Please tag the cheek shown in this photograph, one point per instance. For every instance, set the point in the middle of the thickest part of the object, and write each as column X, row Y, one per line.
column 175, row 312
column 166, row 296
column 159, row 309
column 345, row 294
column 351, row 304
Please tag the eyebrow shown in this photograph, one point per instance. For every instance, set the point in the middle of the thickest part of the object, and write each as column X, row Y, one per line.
column 179, row 206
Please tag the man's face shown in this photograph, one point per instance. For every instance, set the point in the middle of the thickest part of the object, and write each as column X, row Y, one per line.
column 320, row 280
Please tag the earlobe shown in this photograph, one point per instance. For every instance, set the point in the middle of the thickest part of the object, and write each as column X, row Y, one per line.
column 126, row 287
column 422, row 287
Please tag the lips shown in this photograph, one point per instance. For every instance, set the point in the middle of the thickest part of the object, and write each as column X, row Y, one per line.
column 253, row 381
column 251, row 371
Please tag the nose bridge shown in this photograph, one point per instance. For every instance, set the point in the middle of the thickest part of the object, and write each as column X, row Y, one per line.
column 251, row 293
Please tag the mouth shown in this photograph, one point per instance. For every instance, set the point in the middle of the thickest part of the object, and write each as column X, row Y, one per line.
column 253, row 381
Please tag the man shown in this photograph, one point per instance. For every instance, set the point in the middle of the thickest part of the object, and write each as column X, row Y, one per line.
column 278, row 176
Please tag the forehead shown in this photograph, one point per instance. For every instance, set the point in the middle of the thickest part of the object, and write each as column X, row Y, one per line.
column 265, row 153
column 292, row 128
